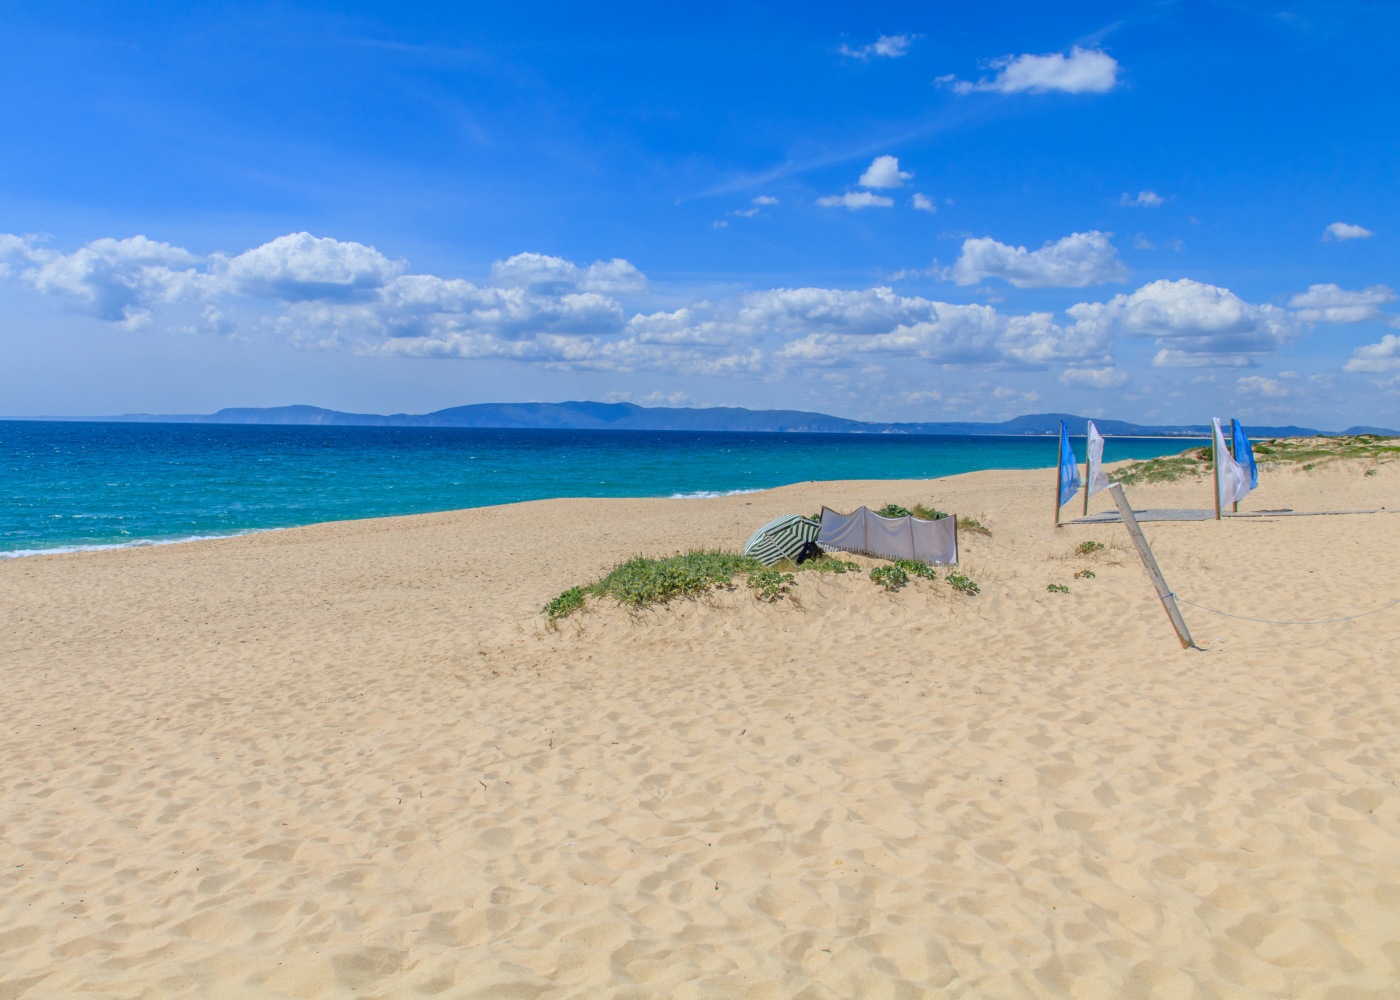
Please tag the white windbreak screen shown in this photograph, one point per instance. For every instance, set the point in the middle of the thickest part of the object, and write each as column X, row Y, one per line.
column 868, row 533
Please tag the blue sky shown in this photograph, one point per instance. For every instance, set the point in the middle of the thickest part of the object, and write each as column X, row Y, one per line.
column 1154, row 211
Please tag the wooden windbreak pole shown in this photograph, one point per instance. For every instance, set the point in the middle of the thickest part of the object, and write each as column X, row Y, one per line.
column 1087, row 453
column 1215, row 463
column 1149, row 562
column 1059, row 476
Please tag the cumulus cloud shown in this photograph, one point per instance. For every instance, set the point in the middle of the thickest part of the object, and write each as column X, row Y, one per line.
column 1143, row 199
column 765, row 199
column 546, row 275
column 854, row 200
column 885, row 47
column 1259, row 386
column 923, row 203
column 884, row 172
column 1379, row 357
column 120, row 281
column 1083, row 71
column 1194, row 324
column 1094, row 378
column 1334, row 304
column 1340, row 232
column 300, row 267
column 1076, row 261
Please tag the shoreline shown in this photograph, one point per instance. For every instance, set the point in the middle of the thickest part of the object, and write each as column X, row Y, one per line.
column 354, row 758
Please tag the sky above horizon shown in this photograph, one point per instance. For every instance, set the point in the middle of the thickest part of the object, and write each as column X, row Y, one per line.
column 1156, row 211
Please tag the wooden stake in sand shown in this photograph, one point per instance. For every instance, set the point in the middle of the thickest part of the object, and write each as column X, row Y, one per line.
column 1149, row 562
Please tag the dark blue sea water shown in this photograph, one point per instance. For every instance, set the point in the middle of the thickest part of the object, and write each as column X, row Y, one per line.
column 69, row 485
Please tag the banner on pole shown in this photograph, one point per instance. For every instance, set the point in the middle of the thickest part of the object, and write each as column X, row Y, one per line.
column 1098, row 479
column 1244, row 454
column 1233, row 479
column 1069, row 468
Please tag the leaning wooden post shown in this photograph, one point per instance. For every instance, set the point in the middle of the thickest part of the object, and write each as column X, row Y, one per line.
column 1236, row 505
column 1149, row 562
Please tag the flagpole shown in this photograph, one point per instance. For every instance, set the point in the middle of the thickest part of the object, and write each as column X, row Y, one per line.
column 1215, row 461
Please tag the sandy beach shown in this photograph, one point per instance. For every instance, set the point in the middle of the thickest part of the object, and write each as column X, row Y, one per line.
column 354, row 759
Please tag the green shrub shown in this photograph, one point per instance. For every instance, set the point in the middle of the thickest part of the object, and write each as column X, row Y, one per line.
column 893, row 510
column 890, row 577
column 1371, row 472
column 1084, row 574
column 769, row 585
column 565, row 604
column 642, row 582
column 1057, row 588
column 1089, row 548
column 928, row 513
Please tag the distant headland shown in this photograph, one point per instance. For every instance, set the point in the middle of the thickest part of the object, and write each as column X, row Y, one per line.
column 584, row 415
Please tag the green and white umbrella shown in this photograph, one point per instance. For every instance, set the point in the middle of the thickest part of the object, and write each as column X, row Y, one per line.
column 782, row 539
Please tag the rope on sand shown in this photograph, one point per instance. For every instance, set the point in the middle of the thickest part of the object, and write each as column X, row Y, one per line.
column 1270, row 621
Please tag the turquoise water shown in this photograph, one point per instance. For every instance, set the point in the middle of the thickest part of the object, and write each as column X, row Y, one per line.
column 90, row 485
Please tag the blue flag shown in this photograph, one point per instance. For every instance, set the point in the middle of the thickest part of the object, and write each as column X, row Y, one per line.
column 1244, row 454
column 1069, row 468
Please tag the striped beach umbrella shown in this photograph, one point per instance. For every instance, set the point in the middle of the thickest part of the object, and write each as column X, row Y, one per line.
column 782, row 538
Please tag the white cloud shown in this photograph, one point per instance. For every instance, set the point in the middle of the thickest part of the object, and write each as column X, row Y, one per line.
column 1195, row 324
column 719, row 224
column 923, row 203
column 765, row 199
column 300, row 267
column 120, row 281
column 1082, row 71
column 1141, row 242
column 854, row 200
column 886, row 46
column 1342, row 231
column 1076, row 261
column 1258, row 385
column 1333, row 304
column 547, row 275
column 745, row 213
column 1383, row 356
column 1095, row 378
column 1144, row 199
column 884, row 172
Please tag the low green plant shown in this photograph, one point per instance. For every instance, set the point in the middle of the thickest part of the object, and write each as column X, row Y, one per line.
column 642, row 582
column 1309, row 466
column 769, row 585
column 1057, row 588
column 927, row 513
column 891, row 578
column 962, row 584
column 1084, row 574
column 827, row 564
column 916, row 568
column 1089, row 548
column 1372, row 472
column 565, row 604
column 973, row 526
column 893, row 510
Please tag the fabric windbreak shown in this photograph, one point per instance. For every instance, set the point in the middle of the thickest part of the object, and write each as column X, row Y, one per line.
column 1232, row 477
column 1098, row 479
column 1069, row 468
column 868, row 533
column 1244, row 454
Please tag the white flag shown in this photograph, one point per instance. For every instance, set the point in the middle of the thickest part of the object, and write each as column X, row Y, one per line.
column 1233, row 477
column 1097, row 478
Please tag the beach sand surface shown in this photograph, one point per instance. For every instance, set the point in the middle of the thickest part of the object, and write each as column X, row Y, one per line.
column 354, row 760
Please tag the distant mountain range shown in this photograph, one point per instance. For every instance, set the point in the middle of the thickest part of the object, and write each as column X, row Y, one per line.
column 630, row 417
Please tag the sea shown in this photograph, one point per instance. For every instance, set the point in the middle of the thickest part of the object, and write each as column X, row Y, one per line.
column 69, row 486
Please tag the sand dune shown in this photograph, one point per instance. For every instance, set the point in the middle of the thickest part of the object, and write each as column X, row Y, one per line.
column 354, row 760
